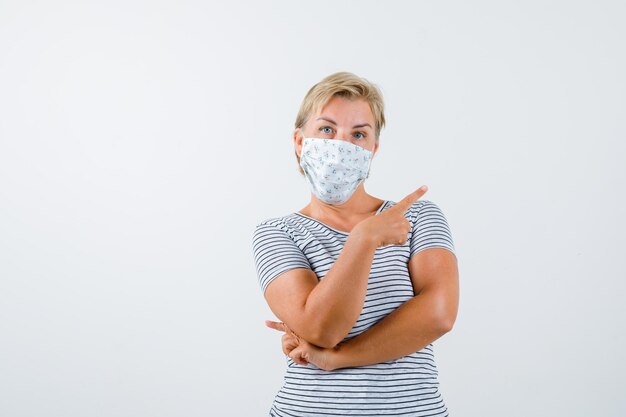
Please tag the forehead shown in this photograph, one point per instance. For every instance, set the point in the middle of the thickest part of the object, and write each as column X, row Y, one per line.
column 346, row 111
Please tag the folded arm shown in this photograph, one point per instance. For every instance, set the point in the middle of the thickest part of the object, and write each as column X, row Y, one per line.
column 414, row 325
column 323, row 312
column 418, row 322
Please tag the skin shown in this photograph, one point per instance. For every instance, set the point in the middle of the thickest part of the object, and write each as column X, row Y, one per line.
column 317, row 315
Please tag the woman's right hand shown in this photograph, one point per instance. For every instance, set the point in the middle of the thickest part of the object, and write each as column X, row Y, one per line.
column 390, row 227
column 302, row 352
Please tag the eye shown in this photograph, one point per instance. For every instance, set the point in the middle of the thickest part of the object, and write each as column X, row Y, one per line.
column 326, row 129
column 359, row 135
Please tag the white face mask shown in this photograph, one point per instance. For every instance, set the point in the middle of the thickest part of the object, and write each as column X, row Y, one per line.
column 334, row 168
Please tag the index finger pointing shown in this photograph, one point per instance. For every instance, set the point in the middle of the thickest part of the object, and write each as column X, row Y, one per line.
column 408, row 201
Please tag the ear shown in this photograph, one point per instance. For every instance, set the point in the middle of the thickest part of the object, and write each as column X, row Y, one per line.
column 375, row 149
column 297, row 142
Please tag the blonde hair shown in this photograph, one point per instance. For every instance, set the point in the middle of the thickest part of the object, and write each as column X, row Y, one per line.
column 342, row 84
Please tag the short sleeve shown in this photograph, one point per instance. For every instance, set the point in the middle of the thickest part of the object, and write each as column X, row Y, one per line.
column 275, row 252
column 430, row 228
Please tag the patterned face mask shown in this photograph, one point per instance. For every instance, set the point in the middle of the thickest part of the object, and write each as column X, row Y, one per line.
column 334, row 168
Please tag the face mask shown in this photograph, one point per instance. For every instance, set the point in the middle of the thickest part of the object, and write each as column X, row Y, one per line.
column 334, row 168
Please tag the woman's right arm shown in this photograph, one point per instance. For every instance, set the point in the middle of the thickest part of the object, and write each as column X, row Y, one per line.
column 323, row 312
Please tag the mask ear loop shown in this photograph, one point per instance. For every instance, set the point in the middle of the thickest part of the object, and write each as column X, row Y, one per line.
column 302, row 150
column 370, row 163
column 303, row 139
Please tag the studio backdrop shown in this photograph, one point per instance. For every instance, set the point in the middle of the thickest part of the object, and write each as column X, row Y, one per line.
column 142, row 142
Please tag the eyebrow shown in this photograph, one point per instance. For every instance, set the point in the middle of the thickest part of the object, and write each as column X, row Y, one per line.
column 353, row 127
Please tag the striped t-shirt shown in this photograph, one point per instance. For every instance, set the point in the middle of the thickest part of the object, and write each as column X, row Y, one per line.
column 407, row 386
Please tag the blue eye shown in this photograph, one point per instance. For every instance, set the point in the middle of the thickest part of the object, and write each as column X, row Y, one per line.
column 359, row 135
column 326, row 130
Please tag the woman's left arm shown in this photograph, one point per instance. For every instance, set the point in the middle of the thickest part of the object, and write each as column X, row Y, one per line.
column 418, row 322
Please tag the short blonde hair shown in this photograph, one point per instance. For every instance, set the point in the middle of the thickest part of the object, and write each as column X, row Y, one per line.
column 343, row 84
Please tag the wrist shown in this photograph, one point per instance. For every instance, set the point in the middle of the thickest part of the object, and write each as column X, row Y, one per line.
column 361, row 233
column 339, row 356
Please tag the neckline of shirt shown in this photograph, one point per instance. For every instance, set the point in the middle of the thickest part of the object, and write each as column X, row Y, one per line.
column 332, row 228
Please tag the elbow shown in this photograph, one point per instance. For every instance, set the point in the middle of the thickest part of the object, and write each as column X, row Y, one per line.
column 444, row 316
column 445, row 324
column 326, row 332
column 325, row 339
column 325, row 336
column 326, row 344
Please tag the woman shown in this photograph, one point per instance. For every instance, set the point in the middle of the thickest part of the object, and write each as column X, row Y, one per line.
column 362, row 286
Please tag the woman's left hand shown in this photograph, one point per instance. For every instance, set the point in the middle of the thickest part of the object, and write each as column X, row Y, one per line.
column 301, row 351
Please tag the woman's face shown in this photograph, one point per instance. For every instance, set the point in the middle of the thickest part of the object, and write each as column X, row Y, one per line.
column 341, row 119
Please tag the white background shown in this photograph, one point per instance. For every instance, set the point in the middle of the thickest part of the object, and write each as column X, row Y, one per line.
column 141, row 142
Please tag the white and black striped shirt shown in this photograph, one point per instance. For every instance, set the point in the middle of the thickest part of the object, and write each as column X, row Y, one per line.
column 407, row 386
